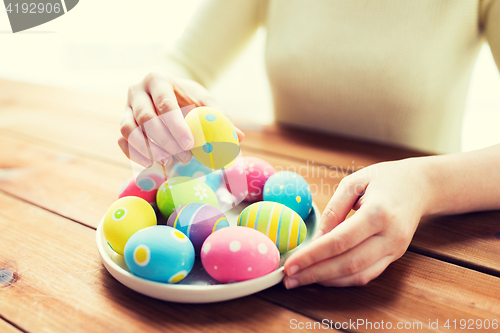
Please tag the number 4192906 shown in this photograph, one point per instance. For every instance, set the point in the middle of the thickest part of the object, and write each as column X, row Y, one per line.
column 471, row 324
column 33, row 8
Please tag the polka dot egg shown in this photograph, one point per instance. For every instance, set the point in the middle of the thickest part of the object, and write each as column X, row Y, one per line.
column 198, row 221
column 256, row 171
column 238, row 254
column 160, row 253
column 291, row 190
column 180, row 191
column 216, row 144
column 123, row 218
column 145, row 186
column 283, row 226
column 195, row 169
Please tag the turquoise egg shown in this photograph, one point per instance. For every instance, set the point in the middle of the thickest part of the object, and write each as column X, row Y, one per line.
column 196, row 170
column 291, row 190
column 159, row 253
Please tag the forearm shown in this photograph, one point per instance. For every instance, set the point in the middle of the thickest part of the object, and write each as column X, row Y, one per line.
column 462, row 182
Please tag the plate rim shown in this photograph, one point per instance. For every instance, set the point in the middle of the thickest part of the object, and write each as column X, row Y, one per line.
column 202, row 292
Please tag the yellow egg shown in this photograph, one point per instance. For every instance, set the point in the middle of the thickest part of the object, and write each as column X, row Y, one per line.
column 216, row 143
column 125, row 217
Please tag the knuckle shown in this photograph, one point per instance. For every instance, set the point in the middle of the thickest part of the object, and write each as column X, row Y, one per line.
column 340, row 245
column 353, row 266
column 361, row 279
column 330, row 214
column 126, row 129
column 379, row 216
column 142, row 116
column 165, row 104
column 149, row 78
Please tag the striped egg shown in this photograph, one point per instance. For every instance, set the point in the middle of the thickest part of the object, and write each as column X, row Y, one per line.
column 198, row 221
column 278, row 222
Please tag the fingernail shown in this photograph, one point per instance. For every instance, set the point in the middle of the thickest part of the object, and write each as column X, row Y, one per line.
column 291, row 283
column 186, row 143
column 184, row 156
column 294, row 269
column 318, row 234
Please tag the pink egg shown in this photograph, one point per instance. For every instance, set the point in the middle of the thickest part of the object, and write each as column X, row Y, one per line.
column 145, row 186
column 235, row 254
column 257, row 172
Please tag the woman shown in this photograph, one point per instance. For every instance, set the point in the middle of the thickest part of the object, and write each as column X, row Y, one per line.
column 391, row 71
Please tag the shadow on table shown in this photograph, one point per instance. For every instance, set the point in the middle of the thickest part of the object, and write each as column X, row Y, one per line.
column 248, row 311
column 339, row 304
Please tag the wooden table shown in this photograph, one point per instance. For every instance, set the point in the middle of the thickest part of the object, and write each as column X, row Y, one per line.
column 60, row 168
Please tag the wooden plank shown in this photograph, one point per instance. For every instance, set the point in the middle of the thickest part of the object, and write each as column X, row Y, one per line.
column 63, row 287
column 413, row 289
column 57, row 103
column 470, row 240
column 78, row 188
column 5, row 327
column 321, row 149
column 68, row 130
column 52, row 179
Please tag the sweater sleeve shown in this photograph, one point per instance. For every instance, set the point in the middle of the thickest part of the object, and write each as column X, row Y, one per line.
column 219, row 30
column 491, row 25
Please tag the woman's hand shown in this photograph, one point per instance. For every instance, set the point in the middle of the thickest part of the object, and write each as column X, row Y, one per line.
column 153, row 127
column 389, row 199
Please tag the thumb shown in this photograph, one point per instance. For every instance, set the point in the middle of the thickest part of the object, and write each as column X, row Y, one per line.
column 347, row 193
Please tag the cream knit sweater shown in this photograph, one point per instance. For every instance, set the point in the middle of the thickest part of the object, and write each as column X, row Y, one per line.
column 393, row 71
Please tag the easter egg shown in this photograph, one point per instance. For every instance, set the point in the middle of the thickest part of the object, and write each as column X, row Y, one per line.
column 291, row 190
column 145, row 186
column 196, row 170
column 123, row 218
column 256, row 171
column 216, row 143
column 238, row 254
column 160, row 253
column 181, row 191
column 198, row 221
column 278, row 222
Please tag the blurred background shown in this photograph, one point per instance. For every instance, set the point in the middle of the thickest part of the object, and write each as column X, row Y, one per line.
column 105, row 46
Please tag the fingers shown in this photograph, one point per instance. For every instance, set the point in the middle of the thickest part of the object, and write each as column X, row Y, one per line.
column 165, row 100
column 133, row 154
column 361, row 278
column 341, row 203
column 143, row 145
column 344, row 237
column 346, row 264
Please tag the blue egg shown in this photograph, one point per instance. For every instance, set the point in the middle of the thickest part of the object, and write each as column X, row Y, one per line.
column 291, row 190
column 159, row 253
column 195, row 169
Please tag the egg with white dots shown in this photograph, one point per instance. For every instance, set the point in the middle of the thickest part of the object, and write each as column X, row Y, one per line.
column 291, row 190
column 283, row 226
column 160, row 253
column 236, row 254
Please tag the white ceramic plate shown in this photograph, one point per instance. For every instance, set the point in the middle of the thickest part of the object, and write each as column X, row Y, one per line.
column 198, row 286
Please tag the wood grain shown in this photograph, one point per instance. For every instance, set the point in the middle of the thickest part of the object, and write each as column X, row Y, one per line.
column 5, row 327
column 63, row 286
column 51, row 179
column 413, row 289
